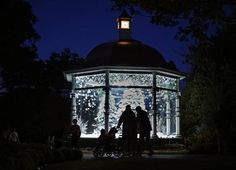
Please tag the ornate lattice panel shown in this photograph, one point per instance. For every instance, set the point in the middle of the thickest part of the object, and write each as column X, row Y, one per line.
column 128, row 79
column 166, row 82
column 90, row 80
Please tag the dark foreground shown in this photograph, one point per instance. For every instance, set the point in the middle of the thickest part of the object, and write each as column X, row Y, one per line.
column 155, row 162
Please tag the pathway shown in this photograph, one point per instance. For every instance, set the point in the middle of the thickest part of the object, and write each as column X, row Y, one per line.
column 159, row 161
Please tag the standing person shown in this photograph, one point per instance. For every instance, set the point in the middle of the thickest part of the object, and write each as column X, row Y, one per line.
column 144, row 130
column 76, row 132
column 129, row 130
column 5, row 134
column 51, row 141
column 14, row 137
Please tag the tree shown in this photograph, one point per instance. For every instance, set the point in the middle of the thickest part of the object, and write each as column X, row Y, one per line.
column 18, row 56
column 197, row 18
column 35, row 113
column 211, row 88
column 57, row 64
column 32, row 88
column 20, row 67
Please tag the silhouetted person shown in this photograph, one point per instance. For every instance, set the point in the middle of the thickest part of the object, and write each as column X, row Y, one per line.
column 51, row 141
column 129, row 130
column 106, row 143
column 112, row 133
column 111, row 136
column 102, row 139
column 144, row 129
column 13, row 136
column 76, row 132
column 5, row 134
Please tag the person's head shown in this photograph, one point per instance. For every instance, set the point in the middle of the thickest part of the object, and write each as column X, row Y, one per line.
column 74, row 121
column 113, row 130
column 103, row 131
column 128, row 107
column 138, row 108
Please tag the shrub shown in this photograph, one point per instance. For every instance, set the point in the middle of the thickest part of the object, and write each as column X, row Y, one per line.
column 7, row 163
column 77, row 154
column 25, row 161
column 68, row 154
column 28, row 156
column 35, row 156
column 202, row 144
column 57, row 155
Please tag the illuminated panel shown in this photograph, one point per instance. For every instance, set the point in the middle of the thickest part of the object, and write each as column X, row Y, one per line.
column 121, row 97
column 128, row 79
column 162, row 97
column 90, row 80
column 166, row 82
column 125, row 24
column 90, row 104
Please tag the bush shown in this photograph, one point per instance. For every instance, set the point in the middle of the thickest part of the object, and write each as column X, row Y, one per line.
column 202, row 144
column 35, row 156
column 58, row 156
column 1, row 168
column 28, row 156
column 7, row 163
column 24, row 163
column 68, row 154
column 77, row 154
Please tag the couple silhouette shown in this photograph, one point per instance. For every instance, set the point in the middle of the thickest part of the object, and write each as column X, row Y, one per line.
column 133, row 125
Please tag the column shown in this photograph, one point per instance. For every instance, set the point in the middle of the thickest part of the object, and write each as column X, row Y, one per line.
column 154, row 107
column 73, row 101
column 177, row 116
column 168, row 116
column 106, row 114
column 74, row 109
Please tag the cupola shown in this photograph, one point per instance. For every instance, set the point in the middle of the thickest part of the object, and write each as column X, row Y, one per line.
column 124, row 26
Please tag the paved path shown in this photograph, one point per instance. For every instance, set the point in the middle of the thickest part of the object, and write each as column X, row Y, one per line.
column 158, row 161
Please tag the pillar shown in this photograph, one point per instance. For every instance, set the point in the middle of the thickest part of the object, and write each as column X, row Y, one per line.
column 168, row 116
column 73, row 103
column 177, row 115
column 154, row 107
column 107, row 89
column 74, row 109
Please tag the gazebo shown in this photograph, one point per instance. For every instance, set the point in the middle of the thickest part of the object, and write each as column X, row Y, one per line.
column 125, row 72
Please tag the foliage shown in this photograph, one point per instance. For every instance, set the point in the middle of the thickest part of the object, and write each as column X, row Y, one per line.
column 194, row 18
column 32, row 91
column 32, row 156
column 35, row 114
column 18, row 59
column 19, row 63
column 209, row 99
column 56, row 64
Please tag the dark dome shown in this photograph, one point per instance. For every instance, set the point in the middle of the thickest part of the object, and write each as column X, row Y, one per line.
column 126, row 53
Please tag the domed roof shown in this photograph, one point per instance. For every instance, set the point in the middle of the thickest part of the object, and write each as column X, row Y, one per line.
column 126, row 53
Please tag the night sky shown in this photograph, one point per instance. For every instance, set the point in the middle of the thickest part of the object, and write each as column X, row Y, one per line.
column 82, row 25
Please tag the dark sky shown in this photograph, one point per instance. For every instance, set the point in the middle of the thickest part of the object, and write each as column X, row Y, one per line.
column 82, row 24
